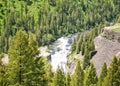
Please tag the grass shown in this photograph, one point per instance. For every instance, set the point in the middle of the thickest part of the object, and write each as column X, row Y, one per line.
column 116, row 29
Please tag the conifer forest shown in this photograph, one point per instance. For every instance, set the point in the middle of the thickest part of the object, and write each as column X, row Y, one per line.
column 28, row 25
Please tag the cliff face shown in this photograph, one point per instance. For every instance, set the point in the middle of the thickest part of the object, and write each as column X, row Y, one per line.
column 106, row 48
column 112, row 33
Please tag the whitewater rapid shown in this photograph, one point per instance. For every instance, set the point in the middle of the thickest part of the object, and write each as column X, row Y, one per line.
column 59, row 51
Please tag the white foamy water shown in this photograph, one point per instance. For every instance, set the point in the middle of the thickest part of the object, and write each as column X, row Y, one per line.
column 59, row 51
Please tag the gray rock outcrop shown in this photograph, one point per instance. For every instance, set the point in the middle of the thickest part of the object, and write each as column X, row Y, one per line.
column 106, row 48
column 111, row 33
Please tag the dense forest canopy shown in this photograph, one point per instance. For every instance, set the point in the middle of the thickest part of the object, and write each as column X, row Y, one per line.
column 50, row 19
column 25, row 25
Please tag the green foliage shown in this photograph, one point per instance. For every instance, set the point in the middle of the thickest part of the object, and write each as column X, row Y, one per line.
column 84, row 43
column 73, row 46
column 78, row 76
column 68, row 79
column 59, row 78
column 49, row 75
column 78, row 47
column 82, row 48
column 117, row 29
column 90, row 76
column 113, row 70
column 2, row 73
column 103, row 74
column 72, row 83
column 28, row 69
column 117, row 77
column 86, row 62
column 22, row 22
column 50, row 19
column 113, row 78
column 86, row 58
column 103, row 71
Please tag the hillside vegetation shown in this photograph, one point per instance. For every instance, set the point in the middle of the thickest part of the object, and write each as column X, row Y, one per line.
column 50, row 19
column 26, row 25
column 117, row 29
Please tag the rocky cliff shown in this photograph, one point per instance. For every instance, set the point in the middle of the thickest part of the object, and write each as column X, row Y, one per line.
column 112, row 32
column 107, row 44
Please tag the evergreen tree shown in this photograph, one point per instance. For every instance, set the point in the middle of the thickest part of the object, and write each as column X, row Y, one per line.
column 107, row 80
column 78, row 46
column 82, row 48
column 2, row 74
column 49, row 75
column 37, row 73
column 16, row 53
column 90, row 76
column 72, row 83
column 59, row 78
column 86, row 59
column 78, row 76
column 112, row 78
column 117, row 74
column 113, row 70
column 40, row 18
column 103, row 74
column 68, row 79
column 73, row 46
column 27, row 69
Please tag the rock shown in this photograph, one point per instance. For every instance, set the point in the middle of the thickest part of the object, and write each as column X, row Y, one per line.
column 70, row 67
column 107, row 44
column 5, row 59
column 111, row 33
column 43, row 51
column 118, row 54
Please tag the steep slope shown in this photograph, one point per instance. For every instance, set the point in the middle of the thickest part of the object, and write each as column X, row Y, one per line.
column 107, row 45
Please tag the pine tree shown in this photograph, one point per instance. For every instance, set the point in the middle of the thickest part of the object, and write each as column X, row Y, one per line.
column 90, row 76
column 114, row 72
column 112, row 78
column 49, row 75
column 2, row 73
column 78, row 76
column 78, row 47
column 59, row 78
column 82, row 48
column 24, row 67
column 37, row 75
column 86, row 60
column 73, row 46
column 34, row 75
column 17, row 56
column 103, row 74
column 107, row 80
column 68, row 79
column 118, row 73
column 72, row 83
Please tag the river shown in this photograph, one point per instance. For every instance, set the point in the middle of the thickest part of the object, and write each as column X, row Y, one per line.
column 59, row 51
